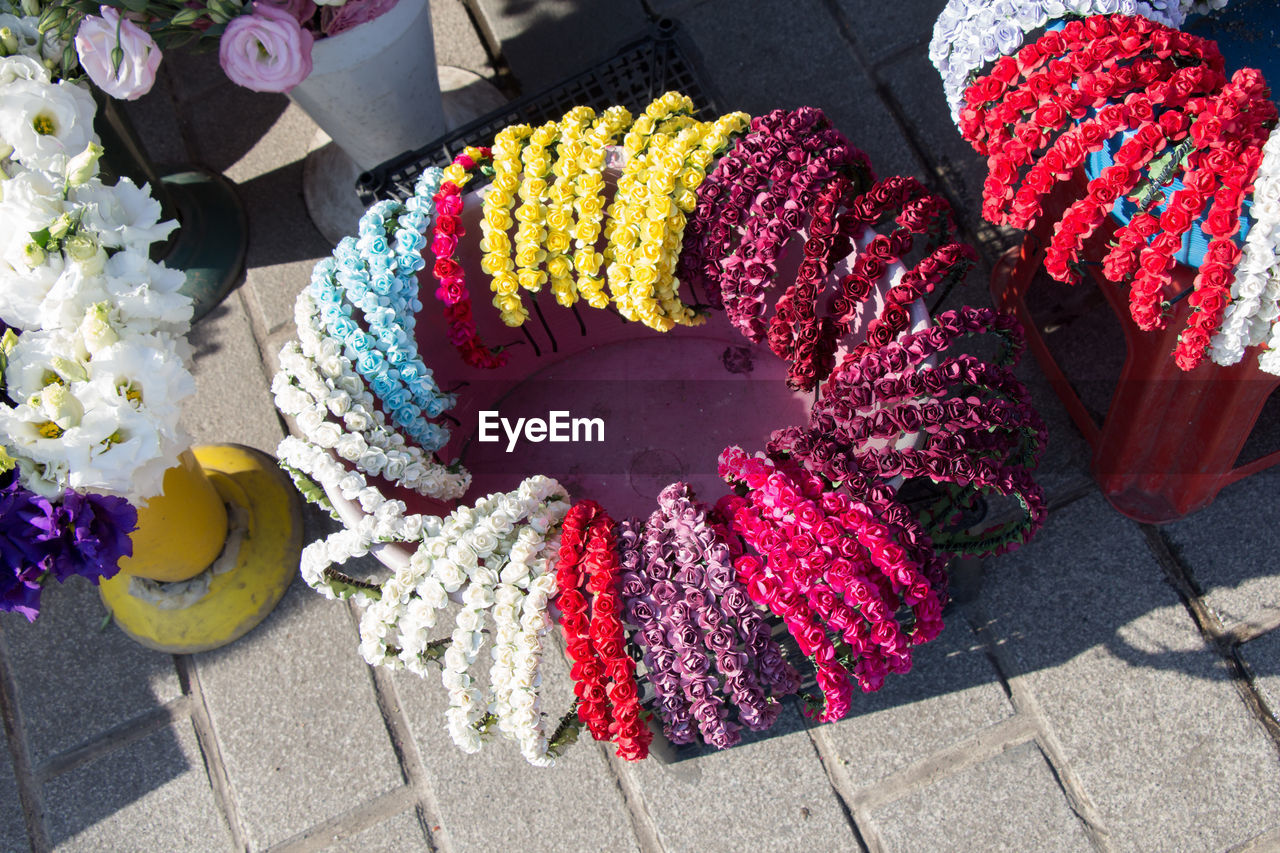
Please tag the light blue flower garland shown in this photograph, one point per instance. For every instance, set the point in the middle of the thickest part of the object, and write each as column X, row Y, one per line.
column 379, row 278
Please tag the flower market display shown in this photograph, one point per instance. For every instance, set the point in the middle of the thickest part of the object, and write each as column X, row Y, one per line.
column 92, row 377
column 667, row 223
column 1181, row 151
column 264, row 46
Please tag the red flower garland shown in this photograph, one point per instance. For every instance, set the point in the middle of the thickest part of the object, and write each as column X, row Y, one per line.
column 603, row 672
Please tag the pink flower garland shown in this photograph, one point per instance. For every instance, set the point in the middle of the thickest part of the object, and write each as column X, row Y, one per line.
column 448, row 271
column 828, row 557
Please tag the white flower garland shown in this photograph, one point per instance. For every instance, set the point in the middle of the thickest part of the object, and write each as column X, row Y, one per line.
column 1251, row 316
column 526, row 584
column 384, row 520
column 303, row 394
column 970, row 34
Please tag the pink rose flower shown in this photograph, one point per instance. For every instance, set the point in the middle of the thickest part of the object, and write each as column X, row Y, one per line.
column 96, row 39
column 266, row 51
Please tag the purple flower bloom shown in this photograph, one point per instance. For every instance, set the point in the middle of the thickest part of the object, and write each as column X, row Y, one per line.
column 93, row 532
column 22, row 549
column 84, row 535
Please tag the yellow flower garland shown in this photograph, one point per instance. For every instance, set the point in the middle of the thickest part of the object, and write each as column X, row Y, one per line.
column 666, row 154
column 560, row 222
column 496, row 243
column 589, row 204
column 635, row 240
column 531, row 233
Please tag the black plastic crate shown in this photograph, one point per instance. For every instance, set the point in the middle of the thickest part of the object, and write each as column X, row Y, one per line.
column 639, row 72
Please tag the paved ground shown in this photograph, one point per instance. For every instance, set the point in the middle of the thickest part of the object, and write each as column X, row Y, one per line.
column 1112, row 687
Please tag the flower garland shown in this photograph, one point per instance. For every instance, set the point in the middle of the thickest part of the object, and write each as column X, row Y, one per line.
column 604, row 676
column 970, row 34
column 1255, row 289
column 830, row 557
column 588, row 204
column 448, row 271
column 495, row 554
column 563, row 192
column 1175, row 108
column 815, row 532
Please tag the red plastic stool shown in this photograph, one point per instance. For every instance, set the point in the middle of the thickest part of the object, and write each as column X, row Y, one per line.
column 1171, row 438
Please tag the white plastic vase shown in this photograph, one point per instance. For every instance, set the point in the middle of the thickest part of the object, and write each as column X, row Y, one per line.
column 373, row 89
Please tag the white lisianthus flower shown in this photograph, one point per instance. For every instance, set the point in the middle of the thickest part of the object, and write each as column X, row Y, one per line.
column 147, row 293
column 95, row 329
column 31, row 201
column 123, row 215
column 143, row 370
column 39, row 358
column 30, row 45
column 46, row 123
column 129, row 452
column 72, row 292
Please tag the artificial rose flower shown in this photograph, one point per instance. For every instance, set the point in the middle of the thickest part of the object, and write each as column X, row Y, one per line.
column 96, row 40
column 266, row 51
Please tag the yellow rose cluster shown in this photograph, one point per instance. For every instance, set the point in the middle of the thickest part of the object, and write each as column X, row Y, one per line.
column 557, row 171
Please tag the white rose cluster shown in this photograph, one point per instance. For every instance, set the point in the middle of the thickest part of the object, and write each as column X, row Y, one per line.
column 97, row 376
column 971, row 34
column 1252, row 316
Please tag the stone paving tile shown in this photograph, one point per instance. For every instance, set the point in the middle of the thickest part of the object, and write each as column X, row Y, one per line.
column 750, row 796
column 1262, row 657
column 401, row 833
column 799, row 59
column 152, row 794
column 76, row 680
column 296, row 717
column 1228, row 553
column 233, row 400
column 1146, row 715
column 545, row 42
column 952, row 691
column 495, row 800
column 1009, row 802
column 13, row 831
column 894, row 26
column 456, row 40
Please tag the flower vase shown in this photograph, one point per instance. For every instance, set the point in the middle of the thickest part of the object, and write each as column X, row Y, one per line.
column 373, row 89
column 376, row 92
column 212, row 554
column 213, row 238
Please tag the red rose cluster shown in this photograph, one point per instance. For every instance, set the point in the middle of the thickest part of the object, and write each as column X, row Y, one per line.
column 1148, row 92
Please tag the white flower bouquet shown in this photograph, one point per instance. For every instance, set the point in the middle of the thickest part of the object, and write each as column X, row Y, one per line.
column 95, row 381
